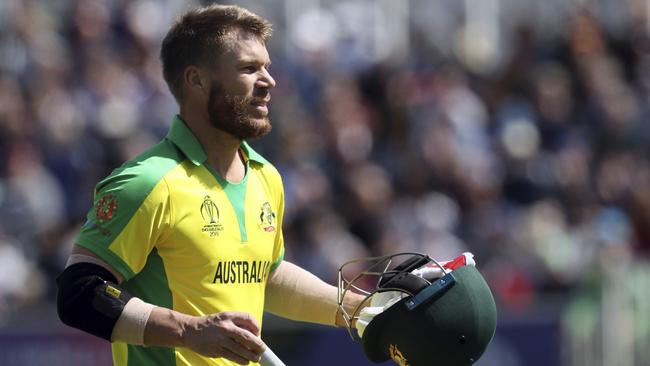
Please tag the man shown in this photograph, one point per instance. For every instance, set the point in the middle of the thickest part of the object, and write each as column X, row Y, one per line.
column 183, row 249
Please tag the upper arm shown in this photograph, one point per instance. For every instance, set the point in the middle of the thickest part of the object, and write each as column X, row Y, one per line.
column 83, row 255
column 87, row 297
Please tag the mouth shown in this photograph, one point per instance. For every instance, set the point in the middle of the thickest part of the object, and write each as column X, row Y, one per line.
column 261, row 105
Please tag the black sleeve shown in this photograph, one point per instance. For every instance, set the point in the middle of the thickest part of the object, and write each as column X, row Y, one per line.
column 89, row 299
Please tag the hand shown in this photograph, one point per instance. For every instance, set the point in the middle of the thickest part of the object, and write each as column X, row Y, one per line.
column 351, row 302
column 230, row 335
column 379, row 302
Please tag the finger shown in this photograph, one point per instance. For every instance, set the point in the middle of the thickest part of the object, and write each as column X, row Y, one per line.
column 240, row 350
column 226, row 353
column 248, row 340
column 246, row 321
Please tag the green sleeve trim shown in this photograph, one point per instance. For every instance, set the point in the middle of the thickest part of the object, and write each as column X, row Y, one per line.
column 277, row 262
column 109, row 257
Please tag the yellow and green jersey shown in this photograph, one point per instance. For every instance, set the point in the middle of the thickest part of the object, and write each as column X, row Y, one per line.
column 184, row 238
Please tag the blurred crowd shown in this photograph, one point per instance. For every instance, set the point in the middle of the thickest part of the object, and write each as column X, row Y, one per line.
column 537, row 162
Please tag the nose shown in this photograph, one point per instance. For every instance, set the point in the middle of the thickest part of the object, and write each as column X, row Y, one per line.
column 267, row 79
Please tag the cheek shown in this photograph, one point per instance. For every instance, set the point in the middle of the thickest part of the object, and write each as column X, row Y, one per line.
column 245, row 84
column 240, row 85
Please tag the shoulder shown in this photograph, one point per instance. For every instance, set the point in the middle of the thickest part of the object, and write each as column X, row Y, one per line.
column 267, row 169
column 269, row 174
column 136, row 178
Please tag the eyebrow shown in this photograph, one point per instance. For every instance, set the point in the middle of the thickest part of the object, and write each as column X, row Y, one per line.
column 253, row 61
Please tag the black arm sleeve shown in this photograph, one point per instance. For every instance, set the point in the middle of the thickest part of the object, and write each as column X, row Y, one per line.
column 89, row 299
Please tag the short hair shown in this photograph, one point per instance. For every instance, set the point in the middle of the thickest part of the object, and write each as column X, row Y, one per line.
column 200, row 35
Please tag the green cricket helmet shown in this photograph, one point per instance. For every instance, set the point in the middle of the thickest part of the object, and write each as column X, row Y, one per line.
column 446, row 321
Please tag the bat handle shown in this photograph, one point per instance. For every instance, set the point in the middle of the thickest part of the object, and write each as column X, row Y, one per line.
column 270, row 359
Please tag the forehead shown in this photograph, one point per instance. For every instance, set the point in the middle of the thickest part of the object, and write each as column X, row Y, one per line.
column 245, row 46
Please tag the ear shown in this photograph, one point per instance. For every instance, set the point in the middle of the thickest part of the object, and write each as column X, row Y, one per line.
column 192, row 78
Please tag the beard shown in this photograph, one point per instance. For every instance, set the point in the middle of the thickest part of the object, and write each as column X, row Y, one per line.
column 229, row 114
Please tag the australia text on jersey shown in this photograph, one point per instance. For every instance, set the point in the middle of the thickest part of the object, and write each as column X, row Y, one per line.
column 241, row 272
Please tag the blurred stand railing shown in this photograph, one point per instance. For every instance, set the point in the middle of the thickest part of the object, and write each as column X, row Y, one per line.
column 608, row 323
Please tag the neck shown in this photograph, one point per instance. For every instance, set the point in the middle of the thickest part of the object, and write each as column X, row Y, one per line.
column 221, row 148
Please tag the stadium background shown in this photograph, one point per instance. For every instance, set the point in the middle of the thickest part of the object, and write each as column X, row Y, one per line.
column 514, row 129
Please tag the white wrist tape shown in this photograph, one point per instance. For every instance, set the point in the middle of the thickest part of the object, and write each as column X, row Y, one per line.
column 132, row 322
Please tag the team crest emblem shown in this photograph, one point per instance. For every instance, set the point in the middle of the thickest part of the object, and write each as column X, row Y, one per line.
column 397, row 355
column 267, row 218
column 106, row 207
column 210, row 215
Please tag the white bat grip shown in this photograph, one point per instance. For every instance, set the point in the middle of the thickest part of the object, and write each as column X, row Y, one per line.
column 270, row 359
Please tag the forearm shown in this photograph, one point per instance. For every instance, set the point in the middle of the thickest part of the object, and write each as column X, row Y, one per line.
column 231, row 335
column 165, row 328
column 297, row 294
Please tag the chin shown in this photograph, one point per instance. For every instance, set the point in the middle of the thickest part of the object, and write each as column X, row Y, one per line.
column 259, row 122
column 261, row 127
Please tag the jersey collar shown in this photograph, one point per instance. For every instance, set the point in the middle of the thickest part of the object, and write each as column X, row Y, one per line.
column 184, row 139
column 251, row 154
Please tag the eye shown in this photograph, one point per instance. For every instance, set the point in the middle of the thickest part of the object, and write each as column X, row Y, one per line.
column 249, row 69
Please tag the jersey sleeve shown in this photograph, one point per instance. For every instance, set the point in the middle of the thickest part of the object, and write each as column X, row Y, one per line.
column 130, row 215
column 278, row 246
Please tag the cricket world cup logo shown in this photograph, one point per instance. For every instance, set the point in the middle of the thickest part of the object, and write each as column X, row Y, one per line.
column 210, row 215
